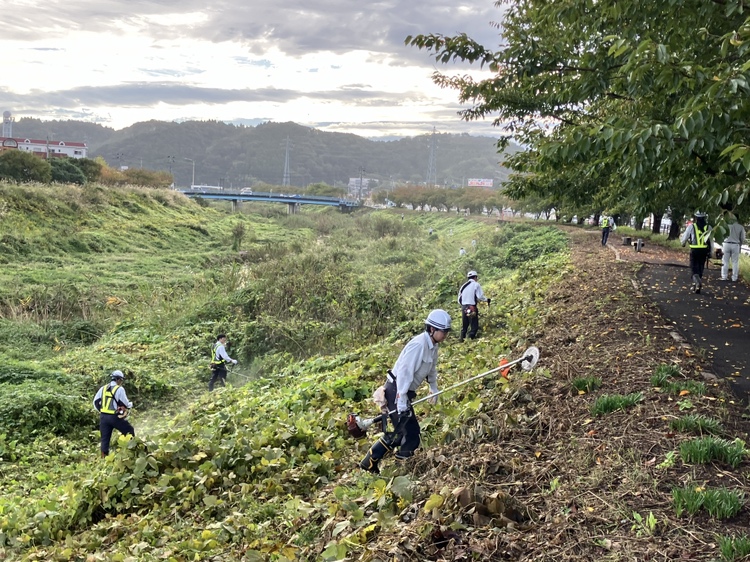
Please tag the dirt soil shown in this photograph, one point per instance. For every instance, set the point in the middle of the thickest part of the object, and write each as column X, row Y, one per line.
column 536, row 476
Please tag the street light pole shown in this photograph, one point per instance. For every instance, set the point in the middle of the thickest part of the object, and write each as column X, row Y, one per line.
column 193, row 161
column 361, row 179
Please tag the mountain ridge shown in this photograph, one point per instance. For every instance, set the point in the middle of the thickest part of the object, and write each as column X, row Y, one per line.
column 240, row 155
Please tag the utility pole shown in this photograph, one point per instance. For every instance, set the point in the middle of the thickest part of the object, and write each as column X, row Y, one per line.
column 432, row 163
column 361, row 179
column 287, row 179
column 193, row 161
column 170, row 161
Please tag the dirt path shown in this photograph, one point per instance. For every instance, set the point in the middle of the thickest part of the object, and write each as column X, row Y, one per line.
column 585, row 477
column 717, row 321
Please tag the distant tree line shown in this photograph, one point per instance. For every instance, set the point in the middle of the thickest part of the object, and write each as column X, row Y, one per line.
column 22, row 167
column 475, row 199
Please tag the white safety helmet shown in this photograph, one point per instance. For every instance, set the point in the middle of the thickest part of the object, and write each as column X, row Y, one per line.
column 471, row 274
column 117, row 375
column 700, row 214
column 439, row 319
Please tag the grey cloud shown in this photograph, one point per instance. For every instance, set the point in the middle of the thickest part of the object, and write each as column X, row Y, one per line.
column 147, row 94
column 296, row 27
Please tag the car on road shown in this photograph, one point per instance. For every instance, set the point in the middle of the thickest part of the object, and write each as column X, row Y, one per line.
column 246, row 191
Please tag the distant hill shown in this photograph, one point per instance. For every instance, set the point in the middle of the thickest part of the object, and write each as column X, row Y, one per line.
column 232, row 155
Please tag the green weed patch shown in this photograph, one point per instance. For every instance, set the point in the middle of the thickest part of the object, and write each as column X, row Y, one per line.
column 696, row 423
column 709, row 449
column 612, row 402
column 720, row 503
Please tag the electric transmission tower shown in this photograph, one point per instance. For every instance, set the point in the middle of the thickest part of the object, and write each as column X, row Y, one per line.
column 431, row 179
column 287, row 178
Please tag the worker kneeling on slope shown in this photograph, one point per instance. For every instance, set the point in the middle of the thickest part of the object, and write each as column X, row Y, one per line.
column 417, row 362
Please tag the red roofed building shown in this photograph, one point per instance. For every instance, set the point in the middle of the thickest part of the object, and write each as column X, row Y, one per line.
column 46, row 149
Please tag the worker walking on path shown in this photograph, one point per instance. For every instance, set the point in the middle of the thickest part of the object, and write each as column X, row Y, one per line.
column 219, row 360
column 111, row 401
column 416, row 363
column 731, row 248
column 468, row 295
column 698, row 234
column 608, row 224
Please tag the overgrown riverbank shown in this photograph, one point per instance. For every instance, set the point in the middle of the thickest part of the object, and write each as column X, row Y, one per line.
column 537, row 468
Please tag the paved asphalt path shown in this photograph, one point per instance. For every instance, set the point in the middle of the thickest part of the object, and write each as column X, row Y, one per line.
column 716, row 320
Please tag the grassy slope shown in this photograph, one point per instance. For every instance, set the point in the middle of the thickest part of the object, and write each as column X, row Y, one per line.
column 520, row 470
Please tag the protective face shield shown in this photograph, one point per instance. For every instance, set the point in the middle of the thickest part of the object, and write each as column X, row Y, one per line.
column 439, row 319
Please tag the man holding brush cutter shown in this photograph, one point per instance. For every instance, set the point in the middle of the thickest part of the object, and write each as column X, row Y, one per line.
column 405, row 436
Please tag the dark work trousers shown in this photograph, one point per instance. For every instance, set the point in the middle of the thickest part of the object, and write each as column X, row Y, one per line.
column 470, row 323
column 109, row 422
column 605, row 236
column 698, row 261
column 219, row 374
column 410, row 440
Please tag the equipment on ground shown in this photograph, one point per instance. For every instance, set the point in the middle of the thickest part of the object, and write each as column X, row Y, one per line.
column 358, row 427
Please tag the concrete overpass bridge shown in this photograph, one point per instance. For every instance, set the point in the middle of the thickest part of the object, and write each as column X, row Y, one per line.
column 292, row 200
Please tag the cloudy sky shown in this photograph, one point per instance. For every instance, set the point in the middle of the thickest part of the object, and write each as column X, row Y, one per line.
column 337, row 65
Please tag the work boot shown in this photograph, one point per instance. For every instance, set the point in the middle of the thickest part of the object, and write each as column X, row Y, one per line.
column 378, row 450
column 369, row 464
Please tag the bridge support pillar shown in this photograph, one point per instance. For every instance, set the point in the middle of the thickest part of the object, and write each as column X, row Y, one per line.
column 292, row 208
column 235, row 205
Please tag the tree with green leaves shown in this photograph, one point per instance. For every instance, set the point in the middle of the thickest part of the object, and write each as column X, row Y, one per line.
column 21, row 167
column 64, row 170
column 646, row 100
column 92, row 169
column 325, row 190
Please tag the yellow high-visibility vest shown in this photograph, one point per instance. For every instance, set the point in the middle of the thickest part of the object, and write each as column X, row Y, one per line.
column 109, row 404
column 700, row 237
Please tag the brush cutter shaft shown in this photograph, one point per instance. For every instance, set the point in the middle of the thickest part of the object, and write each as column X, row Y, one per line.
column 531, row 356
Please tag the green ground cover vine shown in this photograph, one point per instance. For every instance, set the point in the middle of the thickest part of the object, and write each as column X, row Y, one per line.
column 316, row 315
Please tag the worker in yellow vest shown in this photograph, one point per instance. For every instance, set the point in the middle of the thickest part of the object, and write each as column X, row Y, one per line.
column 111, row 401
column 698, row 235
column 608, row 224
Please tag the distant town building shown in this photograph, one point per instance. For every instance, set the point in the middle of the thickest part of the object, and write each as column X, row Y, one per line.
column 356, row 190
column 46, row 149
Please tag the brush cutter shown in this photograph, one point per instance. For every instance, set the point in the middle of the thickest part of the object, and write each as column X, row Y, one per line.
column 358, row 427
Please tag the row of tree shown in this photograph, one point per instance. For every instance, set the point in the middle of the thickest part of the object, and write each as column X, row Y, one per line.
column 625, row 105
column 475, row 199
column 21, row 167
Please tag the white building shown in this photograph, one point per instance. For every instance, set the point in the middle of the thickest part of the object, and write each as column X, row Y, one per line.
column 46, row 149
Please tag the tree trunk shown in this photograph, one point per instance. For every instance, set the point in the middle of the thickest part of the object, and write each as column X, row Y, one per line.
column 674, row 230
column 656, row 227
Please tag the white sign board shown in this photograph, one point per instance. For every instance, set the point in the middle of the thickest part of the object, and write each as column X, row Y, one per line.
column 475, row 182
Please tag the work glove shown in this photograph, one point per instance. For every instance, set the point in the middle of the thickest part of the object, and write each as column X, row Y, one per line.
column 234, row 361
column 433, row 399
